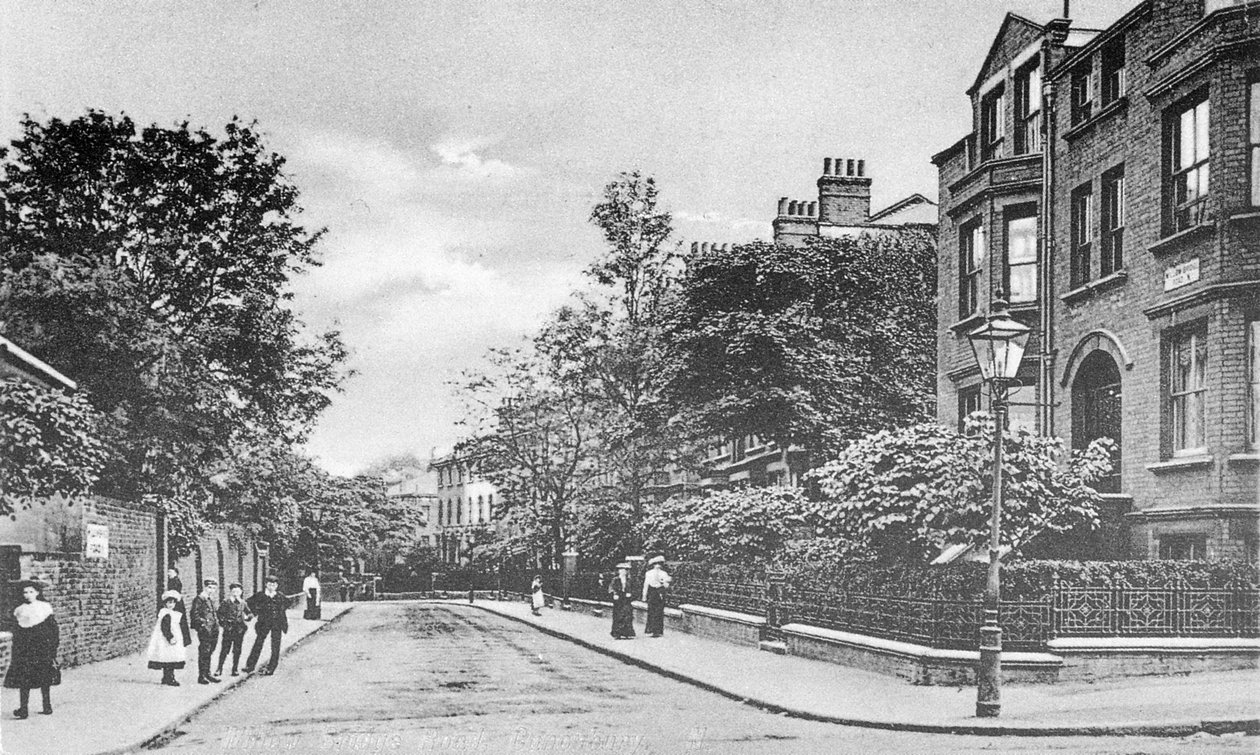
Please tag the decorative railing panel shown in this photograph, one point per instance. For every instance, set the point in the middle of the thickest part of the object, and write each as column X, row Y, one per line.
column 1155, row 612
column 746, row 597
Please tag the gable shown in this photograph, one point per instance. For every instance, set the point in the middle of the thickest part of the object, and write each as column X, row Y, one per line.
column 1013, row 37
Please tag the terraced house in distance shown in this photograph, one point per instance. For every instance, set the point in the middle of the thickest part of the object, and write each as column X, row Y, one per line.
column 1110, row 188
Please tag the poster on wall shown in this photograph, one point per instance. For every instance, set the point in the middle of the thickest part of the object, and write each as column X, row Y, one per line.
column 97, row 543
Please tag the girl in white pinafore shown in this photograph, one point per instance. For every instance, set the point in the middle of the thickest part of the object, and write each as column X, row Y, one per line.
column 166, row 645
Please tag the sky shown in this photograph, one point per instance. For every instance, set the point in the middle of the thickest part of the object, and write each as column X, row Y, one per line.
column 454, row 150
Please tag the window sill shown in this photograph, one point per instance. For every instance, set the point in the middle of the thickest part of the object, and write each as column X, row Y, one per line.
column 1023, row 306
column 1247, row 457
column 1180, row 463
column 1181, row 238
column 1086, row 290
column 970, row 321
column 1245, row 215
column 1105, row 112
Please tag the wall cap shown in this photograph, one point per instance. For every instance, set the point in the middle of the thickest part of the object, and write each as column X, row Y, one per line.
column 719, row 613
column 910, row 649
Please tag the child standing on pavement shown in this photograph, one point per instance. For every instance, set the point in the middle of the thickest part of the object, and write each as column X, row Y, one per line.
column 166, row 644
column 234, row 615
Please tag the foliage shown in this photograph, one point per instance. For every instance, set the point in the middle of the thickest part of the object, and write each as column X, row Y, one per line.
column 152, row 265
column 604, row 344
column 811, row 346
column 909, row 493
column 735, row 526
column 533, row 439
column 49, row 444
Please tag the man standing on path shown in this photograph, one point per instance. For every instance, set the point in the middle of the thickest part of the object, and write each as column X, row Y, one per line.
column 205, row 621
column 655, row 583
column 233, row 615
column 269, row 606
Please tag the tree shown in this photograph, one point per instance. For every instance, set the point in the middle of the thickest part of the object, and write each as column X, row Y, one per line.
column 811, row 346
column 909, row 493
column 49, row 444
column 154, row 264
column 604, row 345
column 727, row 527
column 533, row 437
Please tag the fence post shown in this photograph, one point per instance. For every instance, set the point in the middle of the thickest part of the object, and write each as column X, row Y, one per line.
column 776, row 584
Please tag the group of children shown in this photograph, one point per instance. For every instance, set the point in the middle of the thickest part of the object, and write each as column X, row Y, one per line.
column 171, row 634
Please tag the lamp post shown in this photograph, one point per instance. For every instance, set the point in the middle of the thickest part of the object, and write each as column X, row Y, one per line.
column 999, row 348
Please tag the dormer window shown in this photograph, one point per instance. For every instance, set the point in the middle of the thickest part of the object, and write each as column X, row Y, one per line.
column 1028, row 109
column 992, row 124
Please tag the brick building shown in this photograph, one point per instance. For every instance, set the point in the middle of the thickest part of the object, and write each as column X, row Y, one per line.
column 1110, row 188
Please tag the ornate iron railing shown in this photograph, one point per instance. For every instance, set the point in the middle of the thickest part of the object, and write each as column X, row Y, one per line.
column 745, row 597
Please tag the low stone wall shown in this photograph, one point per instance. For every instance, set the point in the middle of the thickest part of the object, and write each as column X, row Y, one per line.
column 728, row 626
column 1088, row 660
column 916, row 664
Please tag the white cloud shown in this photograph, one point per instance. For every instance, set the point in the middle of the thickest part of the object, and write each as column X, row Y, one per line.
column 741, row 226
column 462, row 153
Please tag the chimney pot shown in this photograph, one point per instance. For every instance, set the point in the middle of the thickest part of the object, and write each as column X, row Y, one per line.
column 826, row 166
column 813, row 209
column 861, row 167
column 783, row 205
column 695, row 247
column 837, row 168
column 849, row 167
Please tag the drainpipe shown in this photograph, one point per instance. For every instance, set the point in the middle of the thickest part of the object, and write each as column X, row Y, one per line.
column 1046, row 378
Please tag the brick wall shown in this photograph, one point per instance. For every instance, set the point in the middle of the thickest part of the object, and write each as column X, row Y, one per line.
column 105, row 607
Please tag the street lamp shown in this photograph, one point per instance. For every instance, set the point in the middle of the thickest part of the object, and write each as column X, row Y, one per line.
column 999, row 347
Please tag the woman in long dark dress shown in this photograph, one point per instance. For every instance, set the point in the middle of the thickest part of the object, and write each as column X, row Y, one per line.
column 623, row 609
column 35, row 642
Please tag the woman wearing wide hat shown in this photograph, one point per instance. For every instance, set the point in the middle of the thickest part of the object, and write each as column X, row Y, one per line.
column 623, row 608
column 35, row 642
column 655, row 583
column 166, row 644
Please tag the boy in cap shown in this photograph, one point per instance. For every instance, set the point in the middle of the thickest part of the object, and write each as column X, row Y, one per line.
column 269, row 606
column 204, row 618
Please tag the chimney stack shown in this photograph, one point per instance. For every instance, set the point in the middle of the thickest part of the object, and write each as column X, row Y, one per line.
column 844, row 192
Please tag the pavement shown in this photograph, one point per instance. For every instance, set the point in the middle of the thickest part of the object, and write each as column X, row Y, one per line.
column 1171, row 706
column 116, row 706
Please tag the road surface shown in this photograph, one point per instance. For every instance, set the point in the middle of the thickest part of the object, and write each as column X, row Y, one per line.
column 439, row 678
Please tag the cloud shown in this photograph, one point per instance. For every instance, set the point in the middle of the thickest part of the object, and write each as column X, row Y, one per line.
column 462, row 154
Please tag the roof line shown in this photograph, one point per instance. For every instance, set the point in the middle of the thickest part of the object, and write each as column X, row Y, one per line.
column 34, row 363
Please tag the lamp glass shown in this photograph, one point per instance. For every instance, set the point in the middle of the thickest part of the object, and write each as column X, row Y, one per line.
column 999, row 346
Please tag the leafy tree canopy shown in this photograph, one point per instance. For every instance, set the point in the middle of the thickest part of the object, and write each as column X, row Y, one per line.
column 909, row 493
column 810, row 346
column 49, row 444
column 152, row 265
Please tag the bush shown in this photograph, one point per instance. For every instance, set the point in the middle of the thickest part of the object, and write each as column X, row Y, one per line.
column 909, row 493
column 726, row 527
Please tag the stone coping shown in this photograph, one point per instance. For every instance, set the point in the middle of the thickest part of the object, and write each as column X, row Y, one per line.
column 718, row 613
column 1155, row 644
column 912, row 650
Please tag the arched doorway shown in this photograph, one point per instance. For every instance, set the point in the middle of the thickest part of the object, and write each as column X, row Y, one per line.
column 1096, row 401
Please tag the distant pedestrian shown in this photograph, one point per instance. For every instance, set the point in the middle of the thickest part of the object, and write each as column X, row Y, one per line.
column 314, row 595
column 623, row 607
column 167, row 643
column 205, row 622
column 234, row 616
column 536, row 598
column 655, row 584
column 269, row 606
column 34, row 659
